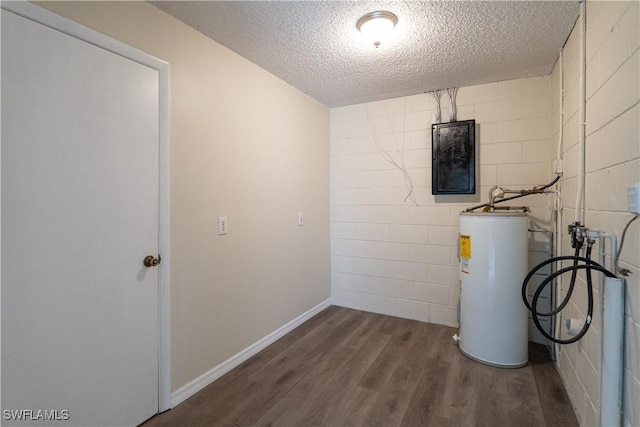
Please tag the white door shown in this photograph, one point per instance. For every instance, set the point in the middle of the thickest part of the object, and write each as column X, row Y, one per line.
column 80, row 132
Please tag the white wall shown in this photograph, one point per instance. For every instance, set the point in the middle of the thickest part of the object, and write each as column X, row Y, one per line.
column 246, row 145
column 612, row 164
column 397, row 257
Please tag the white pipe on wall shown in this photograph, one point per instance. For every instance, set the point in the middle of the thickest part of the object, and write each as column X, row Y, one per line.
column 559, row 154
column 612, row 344
column 579, row 213
column 558, row 199
column 612, row 353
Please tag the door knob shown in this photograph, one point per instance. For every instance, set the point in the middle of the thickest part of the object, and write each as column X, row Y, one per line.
column 151, row 261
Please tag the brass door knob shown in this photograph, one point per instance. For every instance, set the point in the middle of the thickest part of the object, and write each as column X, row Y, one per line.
column 151, row 261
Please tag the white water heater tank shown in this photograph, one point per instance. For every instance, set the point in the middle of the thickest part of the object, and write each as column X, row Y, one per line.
column 493, row 263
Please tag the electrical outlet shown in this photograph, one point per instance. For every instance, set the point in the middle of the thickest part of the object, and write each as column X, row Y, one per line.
column 633, row 198
column 222, row 225
column 300, row 219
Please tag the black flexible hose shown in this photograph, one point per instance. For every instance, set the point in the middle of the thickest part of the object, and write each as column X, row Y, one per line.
column 588, row 265
column 576, row 258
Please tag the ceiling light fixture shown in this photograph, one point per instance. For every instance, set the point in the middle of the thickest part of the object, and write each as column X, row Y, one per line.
column 377, row 25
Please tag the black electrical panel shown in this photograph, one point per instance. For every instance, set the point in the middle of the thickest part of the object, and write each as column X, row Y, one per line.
column 453, row 158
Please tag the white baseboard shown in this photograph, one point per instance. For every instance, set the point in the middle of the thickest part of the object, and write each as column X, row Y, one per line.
column 192, row 387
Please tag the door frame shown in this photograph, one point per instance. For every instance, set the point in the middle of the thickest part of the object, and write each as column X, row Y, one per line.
column 72, row 28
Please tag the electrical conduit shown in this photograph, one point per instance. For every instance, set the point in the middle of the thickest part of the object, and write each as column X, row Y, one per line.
column 558, row 199
column 579, row 213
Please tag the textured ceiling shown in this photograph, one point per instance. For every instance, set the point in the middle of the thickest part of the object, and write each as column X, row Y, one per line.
column 315, row 46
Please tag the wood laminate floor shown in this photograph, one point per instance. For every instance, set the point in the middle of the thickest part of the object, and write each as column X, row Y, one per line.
column 351, row 368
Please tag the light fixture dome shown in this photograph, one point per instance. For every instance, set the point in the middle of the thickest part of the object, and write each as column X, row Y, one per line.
column 377, row 25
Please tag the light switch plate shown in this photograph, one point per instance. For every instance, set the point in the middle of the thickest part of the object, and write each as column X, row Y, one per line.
column 222, row 225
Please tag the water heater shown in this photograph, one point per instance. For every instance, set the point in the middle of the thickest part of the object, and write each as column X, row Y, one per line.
column 493, row 263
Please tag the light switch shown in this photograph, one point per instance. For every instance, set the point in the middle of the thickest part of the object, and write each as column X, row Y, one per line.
column 300, row 219
column 222, row 225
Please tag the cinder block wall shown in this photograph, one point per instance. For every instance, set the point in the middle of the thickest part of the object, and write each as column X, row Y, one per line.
column 612, row 164
column 395, row 254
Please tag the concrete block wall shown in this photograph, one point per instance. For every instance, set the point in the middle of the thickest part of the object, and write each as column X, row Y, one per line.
column 612, row 164
column 393, row 246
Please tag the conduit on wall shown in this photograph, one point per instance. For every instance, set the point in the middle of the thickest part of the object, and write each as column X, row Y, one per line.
column 579, row 213
column 558, row 201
